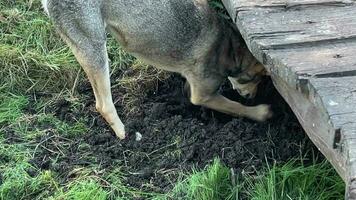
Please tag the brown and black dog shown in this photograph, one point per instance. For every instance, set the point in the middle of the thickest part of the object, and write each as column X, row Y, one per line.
column 183, row 36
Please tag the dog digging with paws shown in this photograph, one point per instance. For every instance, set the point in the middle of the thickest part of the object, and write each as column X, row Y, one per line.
column 184, row 36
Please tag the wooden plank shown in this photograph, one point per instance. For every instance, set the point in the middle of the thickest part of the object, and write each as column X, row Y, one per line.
column 328, row 60
column 309, row 46
column 240, row 5
column 297, row 65
column 350, row 145
column 328, row 115
column 338, row 95
column 330, row 120
column 313, row 122
column 267, row 29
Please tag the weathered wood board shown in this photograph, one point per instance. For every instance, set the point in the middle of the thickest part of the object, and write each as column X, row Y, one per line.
column 309, row 46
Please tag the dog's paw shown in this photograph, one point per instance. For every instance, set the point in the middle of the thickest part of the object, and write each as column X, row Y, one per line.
column 121, row 136
column 263, row 112
column 119, row 130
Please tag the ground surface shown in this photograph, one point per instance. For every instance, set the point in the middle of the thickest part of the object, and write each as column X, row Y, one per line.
column 54, row 145
column 176, row 137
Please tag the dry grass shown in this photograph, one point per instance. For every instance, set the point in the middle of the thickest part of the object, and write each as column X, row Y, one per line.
column 34, row 61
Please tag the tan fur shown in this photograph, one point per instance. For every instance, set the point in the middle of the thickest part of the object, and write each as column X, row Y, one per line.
column 182, row 36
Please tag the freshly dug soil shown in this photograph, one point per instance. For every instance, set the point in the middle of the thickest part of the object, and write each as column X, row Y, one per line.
column 176, row 136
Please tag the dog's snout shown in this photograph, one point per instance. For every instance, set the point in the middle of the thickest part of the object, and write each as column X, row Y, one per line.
column 251, row 95
column 246, row 93
column 248, row 96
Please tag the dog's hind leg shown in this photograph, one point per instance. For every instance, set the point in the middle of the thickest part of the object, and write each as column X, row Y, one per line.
column 204, row 92
column 88, row 43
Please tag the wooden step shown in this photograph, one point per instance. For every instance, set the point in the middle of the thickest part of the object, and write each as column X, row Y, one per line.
column 309, row 46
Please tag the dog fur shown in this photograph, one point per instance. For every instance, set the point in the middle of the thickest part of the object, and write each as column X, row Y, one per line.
column 183, row 36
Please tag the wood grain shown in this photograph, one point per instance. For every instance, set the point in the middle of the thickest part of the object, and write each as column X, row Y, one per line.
column 309, row 46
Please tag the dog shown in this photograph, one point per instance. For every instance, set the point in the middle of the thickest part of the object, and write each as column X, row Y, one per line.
column 185, row 36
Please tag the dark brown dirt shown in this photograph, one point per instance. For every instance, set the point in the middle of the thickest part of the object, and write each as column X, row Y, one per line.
column 176, row 137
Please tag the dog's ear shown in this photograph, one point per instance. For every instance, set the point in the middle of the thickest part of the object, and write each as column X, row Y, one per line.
column 226, row 57
column 237, row 43
column 236, row 40
column 231, row 50
column 234, row 27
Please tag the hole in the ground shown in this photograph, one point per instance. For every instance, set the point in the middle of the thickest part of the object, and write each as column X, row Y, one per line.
column 178, row 135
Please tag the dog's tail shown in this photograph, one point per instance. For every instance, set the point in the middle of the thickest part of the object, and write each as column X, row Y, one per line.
column 45, row 6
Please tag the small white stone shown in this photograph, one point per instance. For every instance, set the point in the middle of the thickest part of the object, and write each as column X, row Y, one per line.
column 333, row 103
column 138, row 136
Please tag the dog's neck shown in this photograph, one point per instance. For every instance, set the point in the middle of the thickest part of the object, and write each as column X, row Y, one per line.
column 231, row 53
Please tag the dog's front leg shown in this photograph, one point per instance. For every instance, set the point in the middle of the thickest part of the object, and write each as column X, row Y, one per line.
column 203, row 92
column 220, row 103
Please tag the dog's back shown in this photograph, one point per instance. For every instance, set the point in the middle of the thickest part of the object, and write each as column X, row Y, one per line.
column 161, row 32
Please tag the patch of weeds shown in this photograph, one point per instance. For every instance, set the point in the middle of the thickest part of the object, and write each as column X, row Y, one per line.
column 36, row 59
column 11, row 107
column 33, row 126
column 213, row 183
column 92, row 183
column 24, row 182
column 291, row 181
column 115, row 183
column 12, row 153
column 137, row 82
column 33, row 55
column 71, row 130
column 86, row 189
column 120, row 60
column 281, row 182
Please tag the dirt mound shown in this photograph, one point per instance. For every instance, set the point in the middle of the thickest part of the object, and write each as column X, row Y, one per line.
column 176, row 136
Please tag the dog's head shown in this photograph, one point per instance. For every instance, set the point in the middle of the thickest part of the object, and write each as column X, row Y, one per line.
column 246, row 83
column 237, row 62
column 246, row 72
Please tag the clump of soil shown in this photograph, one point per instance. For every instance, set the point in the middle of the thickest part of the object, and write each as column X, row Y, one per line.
column 176, row 136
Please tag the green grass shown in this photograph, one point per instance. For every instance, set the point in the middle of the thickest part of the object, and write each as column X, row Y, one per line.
column 11, row 154
column 291, row 181
column 212, row 183
column 62, row 128
column 11, row 107
column 280, row 182
column 34, row 58
column 18, row 184
column 37, row 60
column 37, row 69
column 83, row 190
